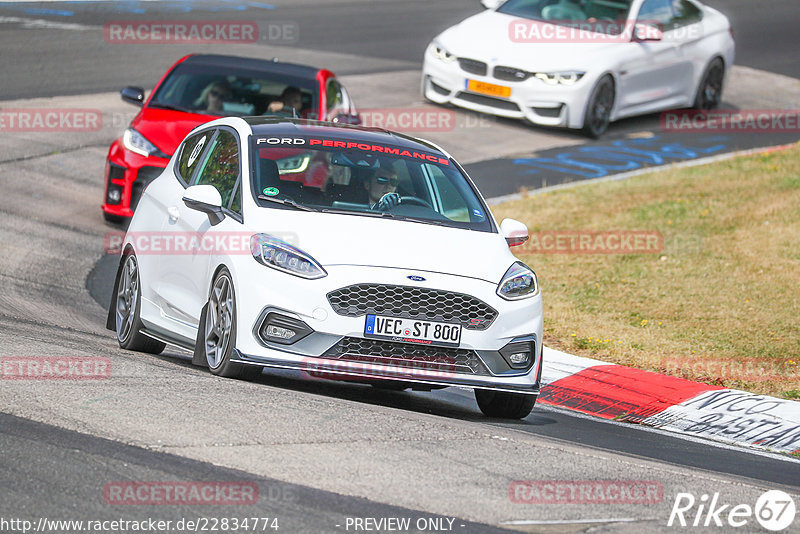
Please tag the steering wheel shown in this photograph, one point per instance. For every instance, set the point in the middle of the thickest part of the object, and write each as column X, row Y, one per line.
column 415, row 200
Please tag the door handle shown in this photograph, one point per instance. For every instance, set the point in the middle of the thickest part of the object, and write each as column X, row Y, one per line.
column 174, row 213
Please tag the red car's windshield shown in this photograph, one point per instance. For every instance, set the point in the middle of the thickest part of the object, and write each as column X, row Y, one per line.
column 235, row 91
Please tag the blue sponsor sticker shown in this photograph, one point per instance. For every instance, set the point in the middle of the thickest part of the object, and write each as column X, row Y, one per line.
column 477, row 213
column 369, row 328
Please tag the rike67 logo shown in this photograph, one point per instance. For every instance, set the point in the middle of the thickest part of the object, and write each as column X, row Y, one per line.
column 774, row 510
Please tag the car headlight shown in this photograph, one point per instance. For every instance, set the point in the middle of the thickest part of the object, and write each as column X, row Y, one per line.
column 519, row 282
column 559, row 78
column 273, row 252
column 293, row 164
column 440, row 52
column 136, row 142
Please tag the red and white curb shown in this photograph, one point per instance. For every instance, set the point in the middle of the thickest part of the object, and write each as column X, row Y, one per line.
column 631, row 395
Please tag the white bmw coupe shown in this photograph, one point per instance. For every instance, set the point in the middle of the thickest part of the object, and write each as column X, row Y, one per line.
column 581, row 63
column 348, row 253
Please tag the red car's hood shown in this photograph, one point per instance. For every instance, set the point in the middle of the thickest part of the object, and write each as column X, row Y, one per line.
column 166, row 128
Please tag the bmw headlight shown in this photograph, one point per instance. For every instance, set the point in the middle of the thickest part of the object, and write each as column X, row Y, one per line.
column 273, row 252
column 559, row 78
column 136, row 142
column 519, row 282
column 440, row 52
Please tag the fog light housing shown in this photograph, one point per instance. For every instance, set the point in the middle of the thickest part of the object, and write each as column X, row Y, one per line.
column 520, row 353
column 282, row 329
column 114, row 194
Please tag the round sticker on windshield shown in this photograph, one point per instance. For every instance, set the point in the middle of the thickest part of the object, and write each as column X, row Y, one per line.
column 270, row 191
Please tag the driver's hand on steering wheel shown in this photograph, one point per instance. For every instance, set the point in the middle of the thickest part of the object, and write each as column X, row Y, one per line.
column 387, row 202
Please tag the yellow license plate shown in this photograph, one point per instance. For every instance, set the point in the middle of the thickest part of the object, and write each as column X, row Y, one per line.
column 488, row 88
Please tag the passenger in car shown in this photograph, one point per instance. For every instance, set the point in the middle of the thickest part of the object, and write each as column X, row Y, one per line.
column 382, row 189
column 213, row 96
column 291, row 99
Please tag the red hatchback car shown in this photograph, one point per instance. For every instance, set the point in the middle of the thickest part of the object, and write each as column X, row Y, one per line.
column 201, row 88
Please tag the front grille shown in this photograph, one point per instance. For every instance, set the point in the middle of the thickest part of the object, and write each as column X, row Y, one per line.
column 144, row 176
column 488, row 101
column 418, row 361
column 473, row 66
column 511, row 74
column 412, row 303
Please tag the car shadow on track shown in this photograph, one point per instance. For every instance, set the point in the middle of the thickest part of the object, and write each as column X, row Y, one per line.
column 453, row 403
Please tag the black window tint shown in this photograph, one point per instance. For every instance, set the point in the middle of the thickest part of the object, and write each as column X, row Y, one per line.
column 221, row 166
column 685, row 13
column 191, row 152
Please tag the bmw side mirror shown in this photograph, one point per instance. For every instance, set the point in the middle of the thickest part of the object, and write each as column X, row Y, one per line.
column 647, row 33
column 515, row 232
column 133, row 95
column 205, row 198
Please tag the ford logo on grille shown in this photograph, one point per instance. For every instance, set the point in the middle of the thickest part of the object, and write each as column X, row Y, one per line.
column 416, row 278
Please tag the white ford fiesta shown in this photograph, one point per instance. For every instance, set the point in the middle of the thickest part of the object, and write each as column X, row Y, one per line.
column 348, row 253
column 581, row 63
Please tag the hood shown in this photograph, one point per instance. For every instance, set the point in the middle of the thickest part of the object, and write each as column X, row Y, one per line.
column 486, row 37
column 166, row 128
column 334, row 239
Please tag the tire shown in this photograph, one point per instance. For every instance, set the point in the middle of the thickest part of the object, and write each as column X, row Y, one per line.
column 218, row 329
column 127, row 309
column 709, row 92
column 504, row 405
column 598, row 110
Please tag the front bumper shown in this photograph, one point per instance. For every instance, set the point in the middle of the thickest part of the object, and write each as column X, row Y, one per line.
column 126, row 176
column 338, row 349
column 532, row 99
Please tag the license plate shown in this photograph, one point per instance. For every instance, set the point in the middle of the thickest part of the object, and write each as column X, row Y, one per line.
column 488, row 88
column 413, row 331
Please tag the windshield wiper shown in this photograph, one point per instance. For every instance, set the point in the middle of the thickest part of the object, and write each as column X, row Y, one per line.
column 424, row 221
column 159, row 105
column 378, row 214
column 286, row 202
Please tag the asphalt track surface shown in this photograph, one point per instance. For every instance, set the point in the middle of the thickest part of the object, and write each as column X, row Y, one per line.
column 423, row 451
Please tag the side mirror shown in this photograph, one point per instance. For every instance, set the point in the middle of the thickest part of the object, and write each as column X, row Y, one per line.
column 207, row 199
column 515, row 232
column 491, row 4
column 643, row 33
column 133, row 95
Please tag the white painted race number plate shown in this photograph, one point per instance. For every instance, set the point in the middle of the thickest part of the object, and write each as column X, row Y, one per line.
column 413, row 331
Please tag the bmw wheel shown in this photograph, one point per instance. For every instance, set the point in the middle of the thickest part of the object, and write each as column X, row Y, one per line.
column 127, row 308
column 505, row 405
column 709, row 92
column 598, row 110
column 218, row 326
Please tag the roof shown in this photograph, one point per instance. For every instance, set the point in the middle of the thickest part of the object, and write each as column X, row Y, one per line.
column 267, row 65
column 288, row 127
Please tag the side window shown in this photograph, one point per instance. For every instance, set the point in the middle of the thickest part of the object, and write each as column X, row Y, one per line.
column 336, row 98
column 453, row 205
column 221, row 166
column 685, row 13
column 236, row 201
column 190, row 154
column 656, row 12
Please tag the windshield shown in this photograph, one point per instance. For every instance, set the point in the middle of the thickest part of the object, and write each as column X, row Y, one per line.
column 567, row 12
column 233, row 91
column 334, row 174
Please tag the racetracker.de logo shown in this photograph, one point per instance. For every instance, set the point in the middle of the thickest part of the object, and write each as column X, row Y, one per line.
column 367, row 368
column 50, row 120
column 187, row 243
column 585, row 492
column 597, row 31
column 592, row 242
column 181, row 493
column 54, row 368
column 409, row 119
column 180, row 32
column 731, row 121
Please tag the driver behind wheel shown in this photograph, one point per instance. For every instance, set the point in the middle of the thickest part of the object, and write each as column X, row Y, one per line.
column 382, row 189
